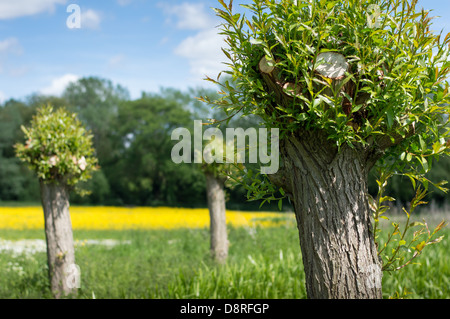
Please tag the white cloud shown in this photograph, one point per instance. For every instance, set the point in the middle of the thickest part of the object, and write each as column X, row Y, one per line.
column 90, row 19
column 191, row 16
column 164, row 40
column 202, row 49
column 204, row 53
column 10, row 46
column 18, row 8
column 7, row 47
column 116, row 60
column 18, row 71
column 58, row 85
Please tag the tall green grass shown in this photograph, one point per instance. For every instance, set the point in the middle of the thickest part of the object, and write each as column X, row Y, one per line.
column 263, row 263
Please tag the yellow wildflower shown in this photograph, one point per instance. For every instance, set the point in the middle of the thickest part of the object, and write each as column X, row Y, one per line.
column 118, row 218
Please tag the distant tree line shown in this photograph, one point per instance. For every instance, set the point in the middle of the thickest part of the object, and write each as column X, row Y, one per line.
column 132, row 139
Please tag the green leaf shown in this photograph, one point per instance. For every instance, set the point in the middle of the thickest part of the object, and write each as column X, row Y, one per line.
column 302, row 117
column 439, row 227
column 423, row 145
column 403, row 156
column 236, row 17
column 356, row 108
column 390, row 117
column 24, row 130
column 414, row 224
column 420, row 246
column 435, row 241
column 387, row 198
column 223, row 4
column 256, row 41
column 409, row 158
column 424, row 163
column 227, row 54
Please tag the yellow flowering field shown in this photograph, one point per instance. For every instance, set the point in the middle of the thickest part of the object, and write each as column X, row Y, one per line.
column 118, row 218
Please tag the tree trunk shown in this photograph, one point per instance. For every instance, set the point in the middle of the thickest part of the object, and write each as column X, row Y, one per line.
column 218, row 225
column 60, row 248
column 329, row 193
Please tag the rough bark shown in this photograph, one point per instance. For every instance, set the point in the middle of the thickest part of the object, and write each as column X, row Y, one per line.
column 328, row 190
column 218, row 227
column 59, row 236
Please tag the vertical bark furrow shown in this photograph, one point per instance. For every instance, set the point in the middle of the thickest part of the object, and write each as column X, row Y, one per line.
column 59, row 237
column 329, row 192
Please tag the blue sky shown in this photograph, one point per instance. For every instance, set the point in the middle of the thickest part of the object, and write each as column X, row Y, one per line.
column 140, row 44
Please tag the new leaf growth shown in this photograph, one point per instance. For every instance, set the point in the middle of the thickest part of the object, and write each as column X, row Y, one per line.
column 58, row 148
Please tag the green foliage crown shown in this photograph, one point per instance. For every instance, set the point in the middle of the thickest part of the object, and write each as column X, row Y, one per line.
column 393, row 90
column 58, row 147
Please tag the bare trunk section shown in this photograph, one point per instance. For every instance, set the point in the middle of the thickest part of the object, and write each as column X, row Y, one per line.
column 59, row 236
column 329, row 193
column 218, row 225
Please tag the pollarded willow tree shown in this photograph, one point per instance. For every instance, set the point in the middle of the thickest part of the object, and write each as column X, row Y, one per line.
column 59, row 150
column 215, row 195
column 218, row 170
column 351, row 85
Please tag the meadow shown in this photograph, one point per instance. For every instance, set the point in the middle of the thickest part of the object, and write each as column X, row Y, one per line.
column 129, row 253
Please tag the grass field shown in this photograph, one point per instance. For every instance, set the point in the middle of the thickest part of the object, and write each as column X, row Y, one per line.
column 168, row 259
